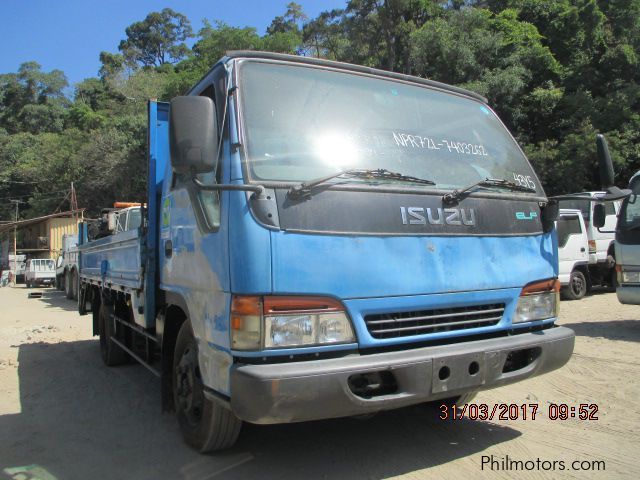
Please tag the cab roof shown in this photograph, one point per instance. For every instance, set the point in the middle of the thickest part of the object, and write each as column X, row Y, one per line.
column 320, row 62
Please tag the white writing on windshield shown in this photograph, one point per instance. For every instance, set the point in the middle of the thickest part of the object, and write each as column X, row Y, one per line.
column 406, row 140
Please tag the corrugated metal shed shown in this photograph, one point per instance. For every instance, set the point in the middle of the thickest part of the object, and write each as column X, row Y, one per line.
column 42, row 237
column 61, row 226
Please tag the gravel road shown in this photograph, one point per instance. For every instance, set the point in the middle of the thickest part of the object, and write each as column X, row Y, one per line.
column 63, row 415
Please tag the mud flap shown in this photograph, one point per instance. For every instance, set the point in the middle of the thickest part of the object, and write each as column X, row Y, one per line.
column 82, row 302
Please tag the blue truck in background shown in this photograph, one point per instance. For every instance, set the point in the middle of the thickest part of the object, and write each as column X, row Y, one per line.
column 325, row 240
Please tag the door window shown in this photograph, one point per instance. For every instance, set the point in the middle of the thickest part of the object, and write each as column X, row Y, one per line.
column 567, row 225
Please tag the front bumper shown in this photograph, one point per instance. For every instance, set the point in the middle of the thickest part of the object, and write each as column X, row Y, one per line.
column 628, row 294
column 314, row 390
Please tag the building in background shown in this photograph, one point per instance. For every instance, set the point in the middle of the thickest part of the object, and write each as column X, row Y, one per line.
column 38, row 237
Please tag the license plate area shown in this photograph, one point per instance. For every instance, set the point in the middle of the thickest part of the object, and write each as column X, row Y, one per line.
column 458, row 372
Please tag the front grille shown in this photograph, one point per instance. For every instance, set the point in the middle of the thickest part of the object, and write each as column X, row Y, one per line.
column 405, row 324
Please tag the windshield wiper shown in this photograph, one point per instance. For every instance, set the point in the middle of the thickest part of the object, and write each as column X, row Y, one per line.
column 454, row 196
column 304, row 189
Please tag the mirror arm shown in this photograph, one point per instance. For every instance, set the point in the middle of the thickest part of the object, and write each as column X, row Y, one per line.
column 613, row 193
column 258, row 190
column 572, row 197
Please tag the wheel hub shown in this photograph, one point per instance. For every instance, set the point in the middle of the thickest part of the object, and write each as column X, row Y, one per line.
column 577, row 284
column 188, row 386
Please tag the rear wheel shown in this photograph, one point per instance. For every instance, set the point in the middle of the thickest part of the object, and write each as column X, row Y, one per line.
column 577, row 287
column 206, row 426
column 74, row 285
column 111, row 353
column 67, row 285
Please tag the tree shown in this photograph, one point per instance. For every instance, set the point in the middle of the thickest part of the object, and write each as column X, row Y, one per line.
column 289, row 22
column 556, row 71
column 325, row 36
column 158, row 39
column 32, row 100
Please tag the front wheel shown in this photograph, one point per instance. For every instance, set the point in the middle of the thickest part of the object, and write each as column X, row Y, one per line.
column 612, row 274
column 206, row 425
column 577, row 287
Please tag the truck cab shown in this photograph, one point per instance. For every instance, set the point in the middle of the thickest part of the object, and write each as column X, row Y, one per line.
column 40, row 271
column 325, row 240
column 129, row 218
column 602, row 257
column 627, row 246
column 573, row 254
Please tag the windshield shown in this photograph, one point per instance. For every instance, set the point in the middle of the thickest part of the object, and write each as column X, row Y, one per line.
column 583, row 205
column 303, row 123
column 630, row 211
column 135, row 218
column 42, row 265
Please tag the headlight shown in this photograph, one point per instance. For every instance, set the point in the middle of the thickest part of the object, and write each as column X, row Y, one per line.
column 630, row 277
column 288, row 322
column 309, row 329
column 538, row 301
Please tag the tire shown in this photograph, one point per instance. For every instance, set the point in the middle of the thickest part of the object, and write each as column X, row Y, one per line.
column 111, row 353
column 74, row 285
column 67, row 285
column 612, row 276
column 206, row 425
column 577, row 287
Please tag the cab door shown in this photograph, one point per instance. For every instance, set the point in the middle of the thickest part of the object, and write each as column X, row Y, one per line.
column 194, row 248
column 573, row 244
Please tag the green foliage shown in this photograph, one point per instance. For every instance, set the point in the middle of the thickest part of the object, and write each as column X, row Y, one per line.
column 158, row 39
column 32, row 100
column 556, row 71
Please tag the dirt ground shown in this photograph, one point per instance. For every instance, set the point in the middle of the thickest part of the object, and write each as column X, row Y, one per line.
column 63, row 415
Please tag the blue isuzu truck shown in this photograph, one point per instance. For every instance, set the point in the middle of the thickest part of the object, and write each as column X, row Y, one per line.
column 325, row 240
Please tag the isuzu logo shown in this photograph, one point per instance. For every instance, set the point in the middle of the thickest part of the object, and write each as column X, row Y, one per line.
column 438, row 216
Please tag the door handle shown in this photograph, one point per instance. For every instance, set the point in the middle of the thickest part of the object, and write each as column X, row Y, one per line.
column 582, row 249
column 168, row 249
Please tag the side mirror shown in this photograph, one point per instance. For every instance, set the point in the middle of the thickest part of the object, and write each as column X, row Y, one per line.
column 193, row 134
column 599, row 215
column 607, row 176
column 549, row 215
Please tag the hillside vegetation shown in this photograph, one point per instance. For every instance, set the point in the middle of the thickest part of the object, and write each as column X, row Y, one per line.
column 556, row 71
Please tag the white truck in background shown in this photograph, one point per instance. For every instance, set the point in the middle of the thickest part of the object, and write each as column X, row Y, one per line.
column 602, row 259
column 40, row 271
column 573, row 254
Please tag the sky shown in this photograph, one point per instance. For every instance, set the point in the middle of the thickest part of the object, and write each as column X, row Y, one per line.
column 70, row 34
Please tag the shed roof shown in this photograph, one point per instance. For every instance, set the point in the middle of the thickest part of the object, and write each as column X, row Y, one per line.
column 6, row 227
